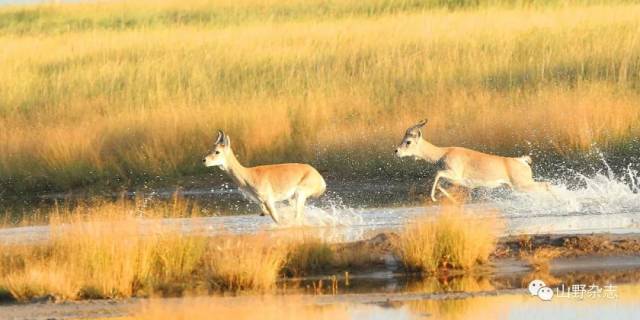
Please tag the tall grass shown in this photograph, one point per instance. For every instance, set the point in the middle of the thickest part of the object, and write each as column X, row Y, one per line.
column 125, row 95
column 125, row 249
column 454, row 239
column 105, row 251
column 253, row 263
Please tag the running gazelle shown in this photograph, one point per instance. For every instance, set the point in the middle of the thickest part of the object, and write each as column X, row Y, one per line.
column 267, row 184
column 469, row 168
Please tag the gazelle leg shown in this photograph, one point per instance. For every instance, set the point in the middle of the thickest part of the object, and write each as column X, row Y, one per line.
column 264, row 210
column 549, row 188
column 441, row 174
column 272, row 211
column 300, row 200
column 537, row 187
column 435, row 184
column 447, row 194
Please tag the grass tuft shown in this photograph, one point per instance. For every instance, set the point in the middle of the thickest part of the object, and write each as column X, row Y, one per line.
column 308, row 255
column 245, row 262
column 453, row 239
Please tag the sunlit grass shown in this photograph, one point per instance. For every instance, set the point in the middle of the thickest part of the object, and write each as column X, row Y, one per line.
column 126, row 249
column 117, row 106
column 106, row 251
column 310, row 255
column 453, row 239
column 246, row 263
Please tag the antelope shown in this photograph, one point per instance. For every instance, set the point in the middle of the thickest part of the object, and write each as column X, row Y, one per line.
column 267, row 184
column 469, row 168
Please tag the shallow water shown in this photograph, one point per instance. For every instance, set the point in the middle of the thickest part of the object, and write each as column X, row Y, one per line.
column 602, row 203
column 511, row 306
column 499, row 294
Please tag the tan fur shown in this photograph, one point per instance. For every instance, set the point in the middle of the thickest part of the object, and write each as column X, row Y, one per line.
column 268, row 184
column 470, row 168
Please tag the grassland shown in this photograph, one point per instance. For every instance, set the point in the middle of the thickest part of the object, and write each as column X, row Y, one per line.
column 119, row 94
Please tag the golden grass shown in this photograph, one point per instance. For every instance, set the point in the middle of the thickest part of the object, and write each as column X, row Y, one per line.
column 454, row 239
column 125, row 249
column 104, row 251
column 123, row 104
column 246, row 263
column 310, row 254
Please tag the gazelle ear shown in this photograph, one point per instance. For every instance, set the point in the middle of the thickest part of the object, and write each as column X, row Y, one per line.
column 220, row 138
column 420, row 125
column 226, row 141
column 416, row 129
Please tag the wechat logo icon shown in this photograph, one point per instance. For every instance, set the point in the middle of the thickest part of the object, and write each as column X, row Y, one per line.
column 539, row 288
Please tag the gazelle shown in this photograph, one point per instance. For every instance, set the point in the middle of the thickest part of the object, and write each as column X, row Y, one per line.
column 267, row 184
column 469, row 168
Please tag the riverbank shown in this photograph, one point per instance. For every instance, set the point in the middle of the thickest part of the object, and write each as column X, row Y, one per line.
column 317, row 261
column 451, row 295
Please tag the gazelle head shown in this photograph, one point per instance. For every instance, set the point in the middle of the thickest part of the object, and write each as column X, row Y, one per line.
column 411, row 141
column 218, row 155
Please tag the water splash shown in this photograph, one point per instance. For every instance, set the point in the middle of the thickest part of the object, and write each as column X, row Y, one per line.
column 603, row 193
column 602, row 202
column 331, row 216
column 331, row 224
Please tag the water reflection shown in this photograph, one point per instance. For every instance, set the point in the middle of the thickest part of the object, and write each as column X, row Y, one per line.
column 456, row 286
column 445, row 284
column 513, row 305
column 524, row 306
